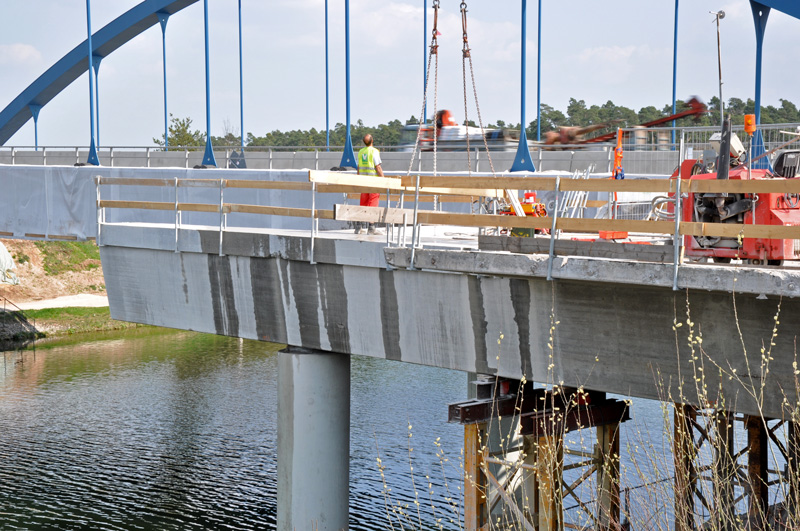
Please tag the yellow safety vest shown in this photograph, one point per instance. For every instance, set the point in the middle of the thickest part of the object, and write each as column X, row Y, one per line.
column 366, row 164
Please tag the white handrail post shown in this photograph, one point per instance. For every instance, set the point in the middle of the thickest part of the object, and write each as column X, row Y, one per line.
column 414, row 229
column 111, row 156
column 77, row 156
column 44, row 156
column 99, row 209
column 148, row 157
column 313, row 219
column 177, row 215
column 13, row 156
column 221, row 213
column 553, row 232
column 676, row 242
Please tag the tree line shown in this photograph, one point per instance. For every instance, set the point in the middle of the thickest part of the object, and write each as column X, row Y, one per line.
column 577, row 114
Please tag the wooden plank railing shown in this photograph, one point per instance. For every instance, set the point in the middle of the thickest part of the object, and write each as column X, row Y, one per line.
column 465, row 189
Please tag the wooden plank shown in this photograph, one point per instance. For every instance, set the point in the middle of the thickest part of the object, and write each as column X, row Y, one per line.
column 514, row 183
column 595, row 203
column 423, row 198
column 627, row 225
column 564, row 247
column 279, row 211
column 483, row 220
column 4, row 233
column 127, row 181
column 267, row 185
column 69, row 237
column 373, row 214
column 622, row 185
column 144, row 205
column 764, row 186
column 734, row 230
column 328, row 177
column 198, row 207
column 198, row 183
column 473, row 192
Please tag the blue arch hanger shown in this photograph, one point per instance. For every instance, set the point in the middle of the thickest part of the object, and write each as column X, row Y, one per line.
column 74, row 64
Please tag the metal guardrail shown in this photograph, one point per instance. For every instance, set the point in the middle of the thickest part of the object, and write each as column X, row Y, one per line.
column 6, row 311
column 458, row 185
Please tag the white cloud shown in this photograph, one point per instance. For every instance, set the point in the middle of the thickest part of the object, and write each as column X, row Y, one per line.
column 19, row 53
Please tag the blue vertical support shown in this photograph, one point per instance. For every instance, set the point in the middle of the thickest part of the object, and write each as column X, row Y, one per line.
column 162, row 20
column 96, row 63
column 522, row 160
column 208, row 157
column 674, row 72
column 760, row 16
column 35, row 112
column 241, row 82
column 327, row 87
column 424, row 119
column 539, row 79
column 348, row 155
column 92, row 147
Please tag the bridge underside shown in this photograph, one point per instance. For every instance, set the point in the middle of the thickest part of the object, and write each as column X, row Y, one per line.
column 492, row 318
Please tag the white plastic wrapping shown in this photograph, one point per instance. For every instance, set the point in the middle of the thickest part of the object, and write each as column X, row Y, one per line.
column 7, row 267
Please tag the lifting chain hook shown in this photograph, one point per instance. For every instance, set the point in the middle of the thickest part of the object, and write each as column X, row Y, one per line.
column 465, row 51
column 435, row 31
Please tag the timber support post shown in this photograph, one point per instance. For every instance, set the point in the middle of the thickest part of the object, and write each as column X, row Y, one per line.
column 313, row 440
column 532, row 487
column 475, row 513
column 685, row 473
column 725, row 470
column 608, row 477
column 757, row 473
column 549, row 469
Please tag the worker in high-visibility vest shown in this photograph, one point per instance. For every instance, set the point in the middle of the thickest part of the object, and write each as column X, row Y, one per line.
column 369, row 163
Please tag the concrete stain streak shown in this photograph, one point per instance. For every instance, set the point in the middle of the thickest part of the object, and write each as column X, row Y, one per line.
column 521, row 302
column 479, row 325
column 305, row 290
column 185, row 281
column 268, row 300
column 390, row 315
column 333, row 298
column 226, row 319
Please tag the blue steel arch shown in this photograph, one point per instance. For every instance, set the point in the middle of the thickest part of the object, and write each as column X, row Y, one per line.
column 74, row 64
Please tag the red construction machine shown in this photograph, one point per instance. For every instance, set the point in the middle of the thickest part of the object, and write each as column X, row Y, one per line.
column 742, row 208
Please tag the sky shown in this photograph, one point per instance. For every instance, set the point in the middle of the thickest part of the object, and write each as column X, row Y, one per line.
column 592, row 50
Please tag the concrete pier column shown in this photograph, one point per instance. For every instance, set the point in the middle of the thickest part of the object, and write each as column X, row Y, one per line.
column 313, row 440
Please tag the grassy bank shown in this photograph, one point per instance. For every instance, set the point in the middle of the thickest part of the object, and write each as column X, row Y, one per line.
column 58, row 322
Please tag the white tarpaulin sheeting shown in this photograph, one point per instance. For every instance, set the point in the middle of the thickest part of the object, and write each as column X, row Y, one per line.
column 7, row 267
column 54, row 202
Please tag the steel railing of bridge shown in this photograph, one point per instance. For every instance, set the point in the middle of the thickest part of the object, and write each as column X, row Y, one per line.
column 459, row 188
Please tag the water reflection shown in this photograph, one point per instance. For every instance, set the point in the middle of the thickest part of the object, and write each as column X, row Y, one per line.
column 177, row 431
column 174, row 430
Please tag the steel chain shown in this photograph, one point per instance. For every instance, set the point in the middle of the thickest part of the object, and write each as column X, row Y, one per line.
column 434, row 51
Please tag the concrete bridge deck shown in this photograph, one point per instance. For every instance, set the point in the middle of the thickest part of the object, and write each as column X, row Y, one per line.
column 606, row 324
